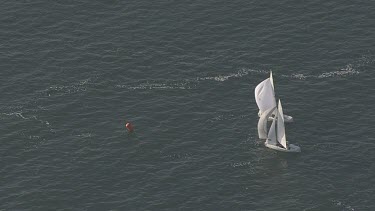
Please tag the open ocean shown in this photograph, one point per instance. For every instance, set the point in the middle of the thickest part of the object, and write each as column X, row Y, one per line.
column 72, row 73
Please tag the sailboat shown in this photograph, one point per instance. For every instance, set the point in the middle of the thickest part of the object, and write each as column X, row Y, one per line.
column 265, row 98
column 276, row 138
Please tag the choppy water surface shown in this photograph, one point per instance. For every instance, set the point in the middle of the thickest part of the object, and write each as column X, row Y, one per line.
column 73, row 72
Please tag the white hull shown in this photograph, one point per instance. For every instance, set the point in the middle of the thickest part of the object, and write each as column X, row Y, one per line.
column 292, row 148
column 286, row 118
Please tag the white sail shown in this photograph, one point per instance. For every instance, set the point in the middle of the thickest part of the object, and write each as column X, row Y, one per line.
column 262, row 123
column 271, row 79
column 265, row 96
column 281, row 138
column 273, row 88
column 272, row 133
column 280, row 108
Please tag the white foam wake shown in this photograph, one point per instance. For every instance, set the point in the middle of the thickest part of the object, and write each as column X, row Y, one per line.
column 20, row 115
column 346, row 71
column 61, row 90
column 349, row 70
column 342, row 205
column 186, row 84
column 16, row 114
column 242, row 72
column 162, row 85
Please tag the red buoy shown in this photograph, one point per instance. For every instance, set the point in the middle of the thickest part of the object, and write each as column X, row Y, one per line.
column 129, row 126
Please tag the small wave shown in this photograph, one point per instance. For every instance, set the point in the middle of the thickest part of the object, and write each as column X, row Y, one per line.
column 220, row 118
column 240, row 164
column 20, row 115
column 41, row 121
column 32, row 137
column 324, row 146
column 12, row 107
column 85, row 135
column 16, row 114
column 342, row 205
column 174, row 156
column 251, row 140
column 248, row 165
column 366, row 60
column 34, row 141
column 226, row 117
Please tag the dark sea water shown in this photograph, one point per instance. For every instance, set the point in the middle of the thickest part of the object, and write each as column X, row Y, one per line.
column 72, row 73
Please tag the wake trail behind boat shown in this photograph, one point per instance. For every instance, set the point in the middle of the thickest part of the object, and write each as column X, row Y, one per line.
column 189, row 83
column 350, row 69
column 347, row 71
